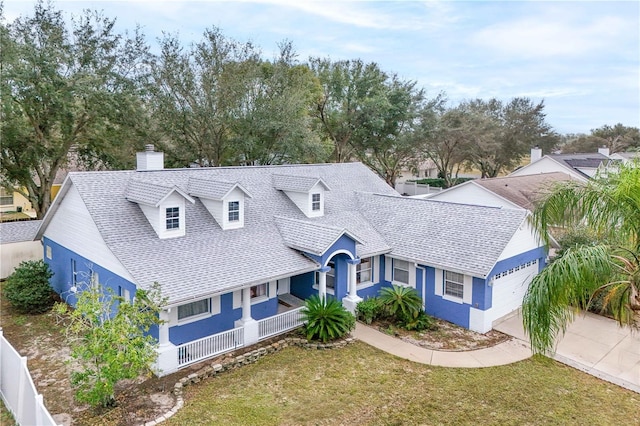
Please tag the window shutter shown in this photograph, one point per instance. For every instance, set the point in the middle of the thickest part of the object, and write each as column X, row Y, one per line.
column 438, row 282
column 468, row 289
column 237, row 299
column 374, row 265
column 412, row 275
column 388, row 268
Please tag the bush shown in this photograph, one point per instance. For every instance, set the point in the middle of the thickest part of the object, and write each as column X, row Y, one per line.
column 326, row 319
column 403, row 303
column 28, row 289
column 419, row 323
column 368, row 310
column 439, row 182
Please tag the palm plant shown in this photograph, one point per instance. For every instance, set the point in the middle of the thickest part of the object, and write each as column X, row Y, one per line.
column 609, row 205
column 401, row 302
column 326, row 319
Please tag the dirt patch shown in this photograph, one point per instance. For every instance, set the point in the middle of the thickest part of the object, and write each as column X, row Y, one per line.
column 444, row 337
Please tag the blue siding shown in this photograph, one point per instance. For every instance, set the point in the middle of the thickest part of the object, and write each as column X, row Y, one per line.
column 214, row 324
column 457, row 313
column 539, row 253
column 482, row 294
column 62, row 280
column 301, row 285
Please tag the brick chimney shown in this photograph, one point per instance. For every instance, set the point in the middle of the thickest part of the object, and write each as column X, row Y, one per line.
column 149, row 159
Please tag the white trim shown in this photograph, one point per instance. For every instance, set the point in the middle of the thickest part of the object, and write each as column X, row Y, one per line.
column 214, row 309
column 341, row 251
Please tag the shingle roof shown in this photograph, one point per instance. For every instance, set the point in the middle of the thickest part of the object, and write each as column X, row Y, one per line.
column 15, row 232
column 208, row 259
column 310, row 237
column 459, row 237
column 524, row 190
column 213, row 190
column 296, row 183
column 576, row 161
column 142, row 192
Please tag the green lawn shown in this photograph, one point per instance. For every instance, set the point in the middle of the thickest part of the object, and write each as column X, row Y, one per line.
column 360, row 385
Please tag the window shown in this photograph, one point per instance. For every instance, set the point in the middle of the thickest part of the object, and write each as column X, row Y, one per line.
column 363, row 270
column 331, row 276
column 6, row 198
column 74, row 273
column 401, row 271
column 315, row 202
column 454, row 284
column 173, row 218
column 193, row 309
column 48, row 251
column 259, row 290
column 234, row 211
column 124, row 293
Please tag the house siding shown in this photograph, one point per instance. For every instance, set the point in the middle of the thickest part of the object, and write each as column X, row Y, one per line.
column 437, row 306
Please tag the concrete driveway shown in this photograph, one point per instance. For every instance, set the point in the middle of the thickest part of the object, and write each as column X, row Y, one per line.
column 593, row 344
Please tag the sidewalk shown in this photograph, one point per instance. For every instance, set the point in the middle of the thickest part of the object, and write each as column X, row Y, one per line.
column 593, row 344
column 505, row 353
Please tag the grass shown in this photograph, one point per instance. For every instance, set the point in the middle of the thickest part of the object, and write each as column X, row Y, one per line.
column 360, row 385
column 6, row 419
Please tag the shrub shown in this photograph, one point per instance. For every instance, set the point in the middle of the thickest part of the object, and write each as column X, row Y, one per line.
column 28, row 289
column 326, row 319
column 368, row 310
column 419, row 323
column 440, row 183
column 400, row 302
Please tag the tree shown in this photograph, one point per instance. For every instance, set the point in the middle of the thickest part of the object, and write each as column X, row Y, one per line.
column 64, row 89
column 196, row 95
column 609, row 205
column 348, row 89
column 504, row 133
column 109, row 339
column 617, row 138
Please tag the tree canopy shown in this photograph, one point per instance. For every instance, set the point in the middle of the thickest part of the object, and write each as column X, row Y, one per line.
column 609, row 206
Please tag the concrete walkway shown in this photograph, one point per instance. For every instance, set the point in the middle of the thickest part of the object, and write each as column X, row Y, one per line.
column 504, row 353
column 593, row 344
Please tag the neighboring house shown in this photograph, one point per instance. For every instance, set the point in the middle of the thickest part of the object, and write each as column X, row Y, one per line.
column 578, row 166
column 237, row 249
column 17, row 245
column 519, row 192
column 13, row 201
column 626, row 157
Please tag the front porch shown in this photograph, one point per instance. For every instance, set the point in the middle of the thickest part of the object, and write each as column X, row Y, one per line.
column 172, row 357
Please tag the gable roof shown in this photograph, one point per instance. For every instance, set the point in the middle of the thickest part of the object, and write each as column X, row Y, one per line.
column 524, row 190
column 152, row 194
column 16, row 232
column 310, row 237
column 296, row 183
column 213, row 190
column 459, row 237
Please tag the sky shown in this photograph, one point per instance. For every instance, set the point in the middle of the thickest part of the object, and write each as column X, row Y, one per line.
column 581, row 58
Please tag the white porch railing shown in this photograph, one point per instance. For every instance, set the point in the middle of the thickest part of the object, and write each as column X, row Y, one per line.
column 209, row 346
column 279, row 323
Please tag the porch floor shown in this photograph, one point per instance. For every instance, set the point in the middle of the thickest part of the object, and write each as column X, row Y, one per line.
column 287, row 302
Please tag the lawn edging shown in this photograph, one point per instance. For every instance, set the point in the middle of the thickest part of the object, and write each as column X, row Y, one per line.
column 247, row 358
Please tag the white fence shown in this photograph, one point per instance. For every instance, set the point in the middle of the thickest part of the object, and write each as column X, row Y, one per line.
column 412, row 188
column 279, row 323
column 209, row 346
column 17, row 389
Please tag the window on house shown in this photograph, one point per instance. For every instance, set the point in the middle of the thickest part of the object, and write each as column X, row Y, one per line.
column 74, row 273
column 193, row 309
column 315, row 202
column 363, row 270
column 6, row 197
column 173, row 218
column 454, row 284
column 331, row 276
column 124, row 293
column 401, row 271
column 234, row 211
column 48, row 251
column 259, row 290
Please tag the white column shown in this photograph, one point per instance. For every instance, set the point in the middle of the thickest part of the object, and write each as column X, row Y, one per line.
column 351, row 300
column 246, row 304
column 322, row 281
column 353, row 285
column 163, row 328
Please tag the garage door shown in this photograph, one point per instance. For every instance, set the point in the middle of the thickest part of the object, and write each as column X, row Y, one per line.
column 510, row 287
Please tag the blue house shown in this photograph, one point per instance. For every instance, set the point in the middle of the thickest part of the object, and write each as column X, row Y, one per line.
column 236, row 250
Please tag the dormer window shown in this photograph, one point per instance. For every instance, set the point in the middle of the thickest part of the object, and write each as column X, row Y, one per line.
column 234, row 211
column 173, row 218
column 315, row 202
column 306, row 192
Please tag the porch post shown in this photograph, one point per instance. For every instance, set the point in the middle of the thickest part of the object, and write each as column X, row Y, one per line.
column 352, row 299
column 251, row 327
column 163, row 328
column 322, row 281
